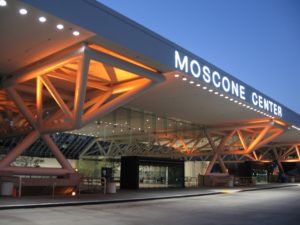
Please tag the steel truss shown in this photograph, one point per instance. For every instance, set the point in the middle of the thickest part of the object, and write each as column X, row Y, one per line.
column 66, row 91
column 233, row 142
column 279, row 152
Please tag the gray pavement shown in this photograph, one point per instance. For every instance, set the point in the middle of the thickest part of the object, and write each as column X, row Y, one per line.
column 122, row 196
column 261, row 207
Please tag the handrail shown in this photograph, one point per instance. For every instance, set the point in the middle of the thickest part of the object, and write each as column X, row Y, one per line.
column 91, row 182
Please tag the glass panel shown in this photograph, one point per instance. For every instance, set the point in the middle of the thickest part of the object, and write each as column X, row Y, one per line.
column 153, row 176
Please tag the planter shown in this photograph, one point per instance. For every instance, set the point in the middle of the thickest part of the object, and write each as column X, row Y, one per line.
column 7, row 188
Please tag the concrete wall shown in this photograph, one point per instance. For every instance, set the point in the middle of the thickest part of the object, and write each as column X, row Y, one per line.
column 194, row 168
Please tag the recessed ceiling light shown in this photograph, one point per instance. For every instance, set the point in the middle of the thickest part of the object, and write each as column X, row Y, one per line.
column 176, row 75
column 216, row 93
column 60, row 26
column 184, row 79
column 198, row 85
column 42, row 19
column 226, row 97
column 76, row 33
column 23, row 11
column 231, row 99
column 210, row 90
column 3, row 3
column 221, row 95
column 191, row 82
column 204, row 88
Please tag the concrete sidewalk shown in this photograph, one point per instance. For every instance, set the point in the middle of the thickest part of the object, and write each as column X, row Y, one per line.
column 124, row 196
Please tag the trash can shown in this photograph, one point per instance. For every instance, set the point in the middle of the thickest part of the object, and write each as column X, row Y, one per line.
column 7, row 188
column 292, row 179
column 231, row 181
column 111, row 188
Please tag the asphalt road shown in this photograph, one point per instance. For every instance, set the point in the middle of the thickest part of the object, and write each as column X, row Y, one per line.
column 274, row 206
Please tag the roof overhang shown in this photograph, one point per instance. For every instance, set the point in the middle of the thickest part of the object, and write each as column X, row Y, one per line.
column 194, row 90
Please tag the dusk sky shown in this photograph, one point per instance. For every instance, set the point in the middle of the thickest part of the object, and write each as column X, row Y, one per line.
column 256, row 41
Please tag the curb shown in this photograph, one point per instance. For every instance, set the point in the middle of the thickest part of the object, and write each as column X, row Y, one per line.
column 99, row 202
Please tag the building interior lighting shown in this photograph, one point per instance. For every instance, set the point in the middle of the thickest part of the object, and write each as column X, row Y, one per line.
column 3, row 3
column 23, row 11
column 60, row 26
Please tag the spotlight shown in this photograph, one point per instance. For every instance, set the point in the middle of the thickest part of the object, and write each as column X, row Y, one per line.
column 23, row 11
column 60, row 26
column 76, row 33
column 3, row 3
column 42, row 19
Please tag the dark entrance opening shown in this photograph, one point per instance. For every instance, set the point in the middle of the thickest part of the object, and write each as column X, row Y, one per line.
column 143, row 172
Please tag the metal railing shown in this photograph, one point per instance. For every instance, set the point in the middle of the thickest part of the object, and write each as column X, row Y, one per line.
column 92, row 184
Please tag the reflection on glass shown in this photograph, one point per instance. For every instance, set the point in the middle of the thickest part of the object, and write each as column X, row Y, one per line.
column 261, row 176
column 151, row 176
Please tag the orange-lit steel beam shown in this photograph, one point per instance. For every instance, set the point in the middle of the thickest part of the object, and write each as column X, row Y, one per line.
column 298, row 152
column 57, row 153
column 69, row 78
column 60, row 102
column 53, row 61
column 120, row 100
column 19, row 149
column 241, row 139
column 278, row 159
column 98, row 102
column 217, row 151
column 80, row 90
column 21, row 105
column 39, row 101
column 289, row 152
column 111, row 73
column 266, row 140
column 119, row 56
column 256, row 141
column 255, row 155
column 211, row 164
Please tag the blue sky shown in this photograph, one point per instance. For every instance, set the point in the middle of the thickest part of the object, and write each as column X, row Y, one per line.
column 257, row 41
